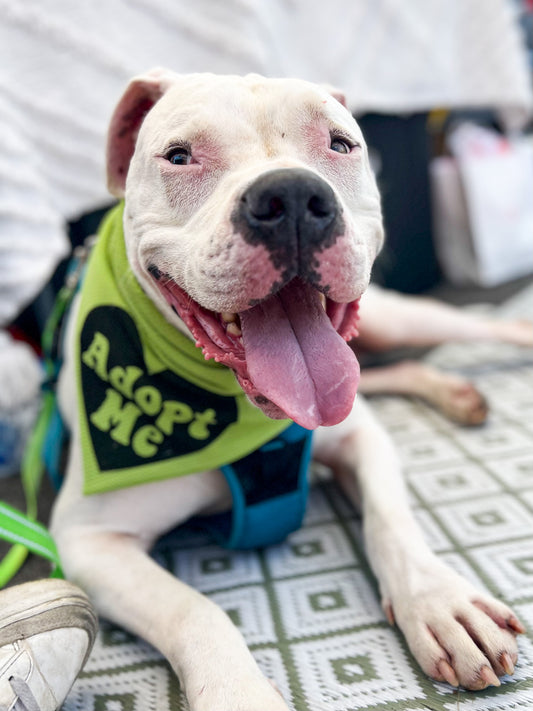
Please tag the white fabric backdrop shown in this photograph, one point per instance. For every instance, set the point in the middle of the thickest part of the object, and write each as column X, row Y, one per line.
column 63, row 65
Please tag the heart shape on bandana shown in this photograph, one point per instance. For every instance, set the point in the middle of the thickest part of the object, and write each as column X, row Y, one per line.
column 135, row 416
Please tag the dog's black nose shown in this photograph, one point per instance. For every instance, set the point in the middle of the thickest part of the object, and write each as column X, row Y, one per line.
column 292, row 212
column 292, row 196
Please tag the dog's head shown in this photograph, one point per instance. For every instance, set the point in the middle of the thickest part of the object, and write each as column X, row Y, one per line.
column 252, row 219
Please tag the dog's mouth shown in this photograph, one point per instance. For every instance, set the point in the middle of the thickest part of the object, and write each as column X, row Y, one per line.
column 289, row 352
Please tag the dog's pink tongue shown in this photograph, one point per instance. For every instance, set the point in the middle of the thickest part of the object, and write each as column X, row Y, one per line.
column 297, row 359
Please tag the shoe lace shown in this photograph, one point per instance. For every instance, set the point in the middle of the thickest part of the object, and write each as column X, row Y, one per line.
column 25, row 698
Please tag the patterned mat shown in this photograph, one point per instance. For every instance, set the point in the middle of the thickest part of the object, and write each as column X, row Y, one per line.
column 308, row 608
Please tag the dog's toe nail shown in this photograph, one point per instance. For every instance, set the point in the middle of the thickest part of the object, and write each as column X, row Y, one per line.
column 448, row 673
column 489, row 677
column 507, row 663
column 515, row 625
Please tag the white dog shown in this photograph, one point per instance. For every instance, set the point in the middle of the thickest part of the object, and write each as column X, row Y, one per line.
column 250, row 224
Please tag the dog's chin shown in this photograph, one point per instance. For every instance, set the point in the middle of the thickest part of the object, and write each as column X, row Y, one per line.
column 289, row 352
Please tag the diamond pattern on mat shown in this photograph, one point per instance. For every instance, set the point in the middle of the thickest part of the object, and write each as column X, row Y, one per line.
column 432, row 451
column 494, row 441
column 212, row 568
column 352, row 671
column 152, row 685
column 318, row 605
column 455, row 483
column 114, row 647
column 311, row 550
column 516, row 472
column 509, row 566
column 522, row 699
column 249, row 610
column 486, row 520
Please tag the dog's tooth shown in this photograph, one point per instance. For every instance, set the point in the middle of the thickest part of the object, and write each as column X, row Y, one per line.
column 232, row 321
column 322, row 300
column 234, row 329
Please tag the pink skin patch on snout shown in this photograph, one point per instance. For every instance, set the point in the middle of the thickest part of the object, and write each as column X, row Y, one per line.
column 340, row 268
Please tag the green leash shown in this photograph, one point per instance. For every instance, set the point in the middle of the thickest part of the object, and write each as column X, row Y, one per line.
column 23, row 531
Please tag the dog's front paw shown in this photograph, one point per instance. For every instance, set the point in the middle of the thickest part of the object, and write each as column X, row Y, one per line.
column 457, row 634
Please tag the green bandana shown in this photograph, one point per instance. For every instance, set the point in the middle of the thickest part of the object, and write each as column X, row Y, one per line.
column 150, row 406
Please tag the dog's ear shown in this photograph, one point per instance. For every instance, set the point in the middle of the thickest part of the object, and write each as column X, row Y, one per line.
column 336, row 94
column 141, row 94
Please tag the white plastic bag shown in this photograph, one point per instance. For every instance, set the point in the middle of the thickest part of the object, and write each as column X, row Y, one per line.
column 483, row 207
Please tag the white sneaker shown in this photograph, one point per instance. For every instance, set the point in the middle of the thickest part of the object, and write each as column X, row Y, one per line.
column 47, row 629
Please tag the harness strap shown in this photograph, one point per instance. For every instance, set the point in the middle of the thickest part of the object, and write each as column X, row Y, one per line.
column 269, row 489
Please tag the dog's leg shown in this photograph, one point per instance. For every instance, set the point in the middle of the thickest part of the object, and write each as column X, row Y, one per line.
column 453, row 395
column 103, row 542
column 392, row 320
column 456, row 633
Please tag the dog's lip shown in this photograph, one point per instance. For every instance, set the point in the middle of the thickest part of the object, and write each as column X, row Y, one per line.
column 208, row 328
column 342, row 315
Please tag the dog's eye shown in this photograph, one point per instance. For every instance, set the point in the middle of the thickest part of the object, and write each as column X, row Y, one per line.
column 340, row 145
column 179, row 156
